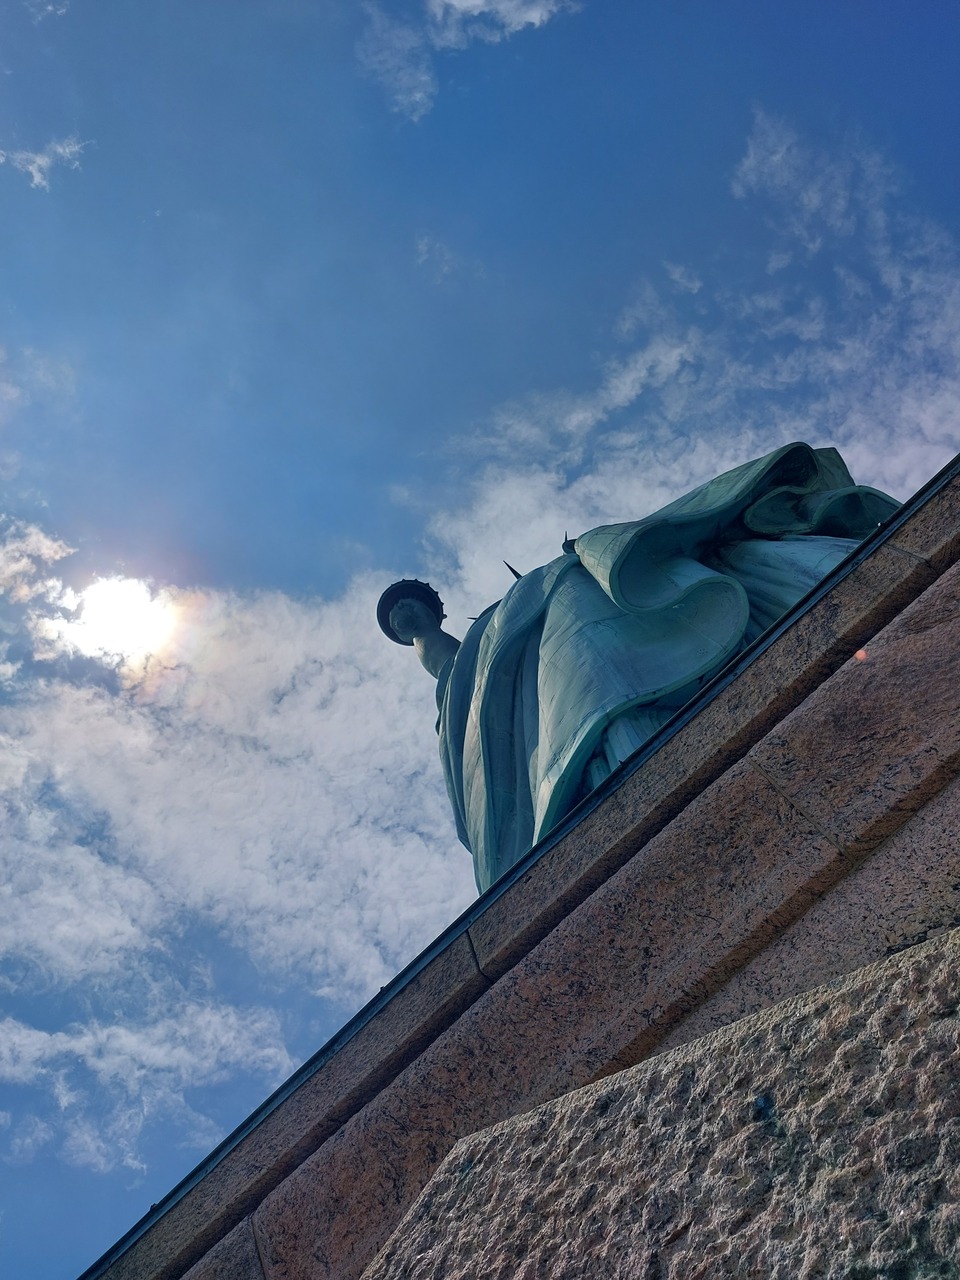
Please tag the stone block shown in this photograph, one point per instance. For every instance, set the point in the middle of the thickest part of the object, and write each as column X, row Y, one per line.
column 601, row 989
column 232, row 1258
column 870, row 746
column 820, row 1138
column 906, row 892
column 933, row 532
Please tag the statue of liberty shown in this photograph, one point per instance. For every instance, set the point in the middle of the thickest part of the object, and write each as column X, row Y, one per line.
column 586, row 657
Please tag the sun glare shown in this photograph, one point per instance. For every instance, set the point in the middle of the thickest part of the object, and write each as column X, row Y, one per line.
column 119, row 617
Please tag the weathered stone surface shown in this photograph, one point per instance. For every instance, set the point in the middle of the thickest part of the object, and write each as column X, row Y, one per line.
column 906, row 892
column 598, row 993
column 933, row 531
column 233, row 1258
column 882, row 736
column 820, row 1138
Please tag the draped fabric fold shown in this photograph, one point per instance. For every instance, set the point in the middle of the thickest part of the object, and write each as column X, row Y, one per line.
column 584, row 658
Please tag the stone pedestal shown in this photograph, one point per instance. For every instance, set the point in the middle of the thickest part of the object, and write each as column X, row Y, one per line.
column 820, row 1138
column 802, row 824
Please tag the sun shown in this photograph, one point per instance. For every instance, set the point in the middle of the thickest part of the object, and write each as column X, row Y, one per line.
column 120, row 618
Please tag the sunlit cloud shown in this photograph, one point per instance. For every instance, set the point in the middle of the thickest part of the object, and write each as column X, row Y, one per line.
column 118, row 619
column 454, row 23
column 26, row 554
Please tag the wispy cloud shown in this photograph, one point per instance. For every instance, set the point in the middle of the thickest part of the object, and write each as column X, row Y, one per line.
column 40, row 9
column 436, row 256
column 65, row 152
column 400, row 52
column 854, row 340
column 442, row 263
column 819, row 195
column 683, row 277
column 142, row 1067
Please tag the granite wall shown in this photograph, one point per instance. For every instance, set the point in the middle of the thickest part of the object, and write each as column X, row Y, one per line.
column 802, row 824
column 820, row 1139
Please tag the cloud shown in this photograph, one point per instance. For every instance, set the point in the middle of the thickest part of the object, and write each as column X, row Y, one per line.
column 817, row 193
column 398, row 55
column 437, row 256
column 400, row 52
column 26, row 552
column 442, row 264
column 201, row 1043
column 560, row 424
column 242, row 741
column 454, row 23
column 683, row 277
column 141, row 1067
column 854, row 341
column 40, row 9
column 29, row 1137
column 268, row 779
column 37, row 164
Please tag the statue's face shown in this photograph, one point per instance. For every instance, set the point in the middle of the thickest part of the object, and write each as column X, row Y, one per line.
column 412, row 618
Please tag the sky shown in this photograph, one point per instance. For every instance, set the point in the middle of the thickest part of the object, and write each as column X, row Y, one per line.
column 298, row 297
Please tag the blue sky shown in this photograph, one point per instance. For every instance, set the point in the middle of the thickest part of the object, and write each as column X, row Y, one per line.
column 299, row 296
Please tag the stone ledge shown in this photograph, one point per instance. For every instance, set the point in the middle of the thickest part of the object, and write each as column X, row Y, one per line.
column 671, row 928
column 346, row 1089
column 370, row 1059
column 234, row 1257
column 907, row 892
column 819, row 1138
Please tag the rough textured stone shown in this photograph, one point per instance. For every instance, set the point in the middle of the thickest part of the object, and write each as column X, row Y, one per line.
column 908, row 891
column 818, row 1139
column 882, row 736
column 232, row 1258
column 933, row 532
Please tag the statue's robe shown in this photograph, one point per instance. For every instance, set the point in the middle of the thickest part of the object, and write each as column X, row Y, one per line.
column 585, row 658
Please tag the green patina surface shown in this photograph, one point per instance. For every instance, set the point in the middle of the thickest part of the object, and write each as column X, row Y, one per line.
column 588, row 656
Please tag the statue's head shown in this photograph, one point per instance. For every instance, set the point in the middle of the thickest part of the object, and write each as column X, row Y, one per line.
column 409, row 608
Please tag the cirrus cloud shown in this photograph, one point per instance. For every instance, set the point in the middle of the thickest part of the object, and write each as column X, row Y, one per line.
column 400, row 51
